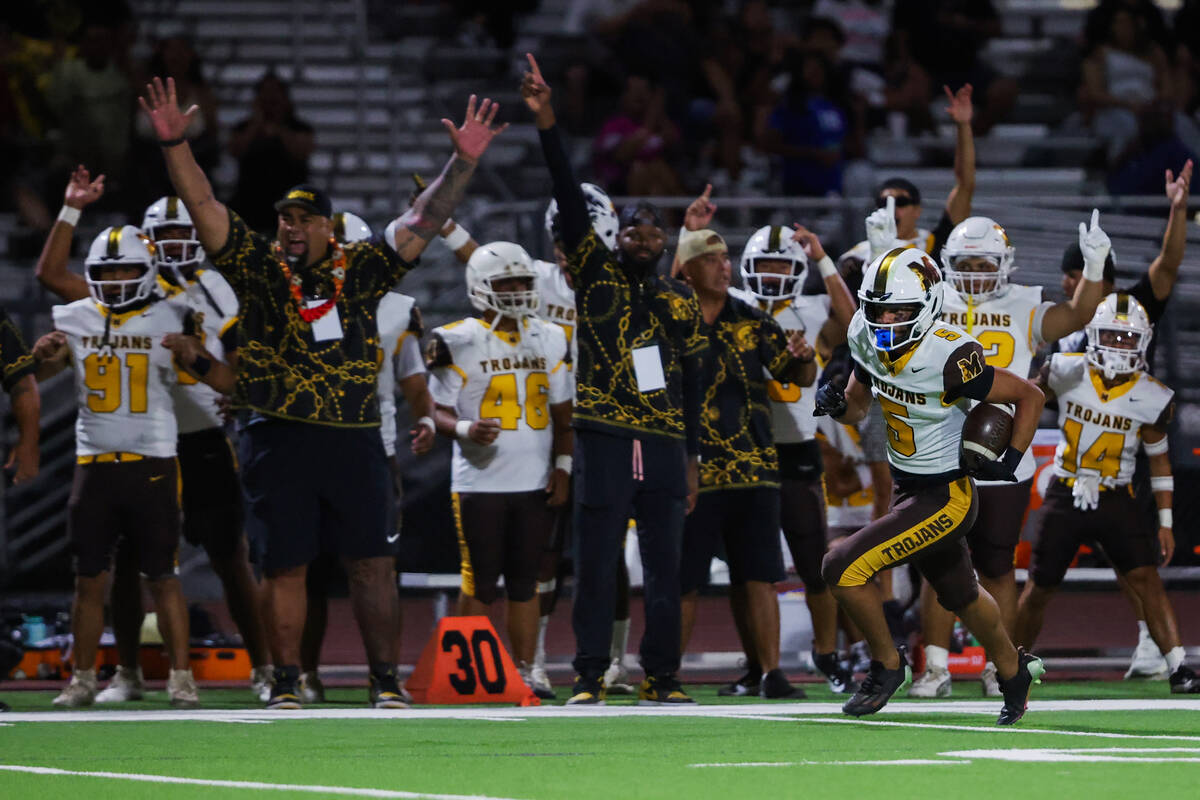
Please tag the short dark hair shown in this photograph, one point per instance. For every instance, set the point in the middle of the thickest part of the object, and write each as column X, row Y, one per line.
column 904, row 185
column 641, row 212
column 1072, row 261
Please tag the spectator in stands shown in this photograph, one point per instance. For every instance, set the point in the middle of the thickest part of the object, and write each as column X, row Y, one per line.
column 946, row 37
column 24, row 119
column 173, row 57
column 808, row 130
column 1158, row 146
column 633, row 146
column 491, row 21
column 272, row 148
column 1147, row 12
column 1187, row 57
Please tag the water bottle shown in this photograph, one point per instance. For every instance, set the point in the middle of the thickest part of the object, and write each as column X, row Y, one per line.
column 35, row 630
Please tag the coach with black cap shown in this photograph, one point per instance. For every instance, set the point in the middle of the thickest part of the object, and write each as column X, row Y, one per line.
column 315, row 472
column 637, row 411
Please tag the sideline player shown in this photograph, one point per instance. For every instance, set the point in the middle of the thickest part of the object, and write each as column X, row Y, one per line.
column 924, row 375
column 126, row 483
column 1108, row 407
column 503, row 390
column 1010, row 321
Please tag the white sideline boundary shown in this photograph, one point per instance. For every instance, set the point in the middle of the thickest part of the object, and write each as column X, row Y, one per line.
column 515, row 713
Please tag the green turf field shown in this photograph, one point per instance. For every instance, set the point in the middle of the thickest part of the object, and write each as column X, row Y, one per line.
column 1079, row 740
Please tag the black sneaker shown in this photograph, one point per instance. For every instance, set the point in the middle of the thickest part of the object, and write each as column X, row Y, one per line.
column 4, row 707
column 840, row 679
column 1016, row 689
column 880, row 684
column 776, row 686
column 744, row 686
column 1184, row 681
column 662, row 690
column 284, row 694
column 384, row 691
column 587, row 692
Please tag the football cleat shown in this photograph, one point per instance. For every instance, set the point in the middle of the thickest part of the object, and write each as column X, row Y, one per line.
column 1147, row 661
column 1184, row 681
column 80, row 692
column 310, row 688
column 935, row 682
column 284, row 694
column 587, row 692
column 260, row 682
column 746, row 685
column 838, row 677
column 880, row 684
column 181, row 689
column 616, row 678
column 662, row 690
column 1016, row 689
column 126, row 685
column 776, row 686
column 989, row 682
column 384, row 691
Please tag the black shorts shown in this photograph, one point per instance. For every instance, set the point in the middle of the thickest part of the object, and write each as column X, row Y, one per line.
column 800, row 460
column 802, row 514
column 1117, row 526
column 742, row 522
column 502, row 534
column 134, row 501
column 994, row 536
column 315, row 489
column 396, row 509
column 927, row 526
column 212, row 496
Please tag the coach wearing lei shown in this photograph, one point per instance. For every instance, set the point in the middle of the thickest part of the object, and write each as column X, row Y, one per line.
column 315, row 472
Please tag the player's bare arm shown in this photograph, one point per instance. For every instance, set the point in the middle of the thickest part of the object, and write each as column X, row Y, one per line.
column 191, row 355
column 26, row 407
column 52, row 354
column 420, row 406
column 960, row 109
column 1164, row 269
column 848, row 407
column 210, row 216
column 1154, row 440
column 1074, row 314
column 564, row 446
column 52, row 272
column 802, row 371
column 1008, row 387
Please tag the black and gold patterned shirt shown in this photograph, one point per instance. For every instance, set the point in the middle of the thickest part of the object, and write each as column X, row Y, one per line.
column 736, row 448
column 282, row 370
column 617, row 314
column 15, row 359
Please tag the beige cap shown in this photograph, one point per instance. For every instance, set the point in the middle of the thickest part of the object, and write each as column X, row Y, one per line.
column 697, row 243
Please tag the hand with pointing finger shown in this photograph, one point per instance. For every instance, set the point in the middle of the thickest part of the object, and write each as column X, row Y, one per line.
column 881, row 228
column 1094, row 244
column 536, row 94
column 700, row 213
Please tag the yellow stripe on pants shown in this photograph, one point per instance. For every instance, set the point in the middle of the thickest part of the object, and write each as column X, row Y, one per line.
column 464, row 553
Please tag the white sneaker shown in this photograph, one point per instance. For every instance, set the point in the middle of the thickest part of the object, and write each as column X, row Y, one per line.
column 616, row 678
column 80, row 692
column 310, row 688
column 989, row 680
column 860, row 657
column 126, row 685
column 539, row 682
column 1147, row 662
column 934, row 683
column 260, row 682
column 181, row 689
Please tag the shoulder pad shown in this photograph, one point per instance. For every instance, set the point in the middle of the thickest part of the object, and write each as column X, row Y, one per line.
column 437, row 352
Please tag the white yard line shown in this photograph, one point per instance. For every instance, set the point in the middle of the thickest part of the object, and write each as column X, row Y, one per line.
column 900, row 762
column 348, row 791
column 1007, row 731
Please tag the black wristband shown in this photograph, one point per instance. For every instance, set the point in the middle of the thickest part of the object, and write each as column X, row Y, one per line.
column 165, row 143
column 201, row 366
column 1012, row 457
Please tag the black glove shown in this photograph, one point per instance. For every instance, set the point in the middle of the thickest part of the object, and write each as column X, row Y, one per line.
column 830, row 400
column 1002, row 469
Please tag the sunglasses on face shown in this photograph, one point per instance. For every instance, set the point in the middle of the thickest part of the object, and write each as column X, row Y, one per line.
column 901, row 201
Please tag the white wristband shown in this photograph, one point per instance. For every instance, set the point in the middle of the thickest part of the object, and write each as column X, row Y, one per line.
column 456, row 238
column 69, row 215
column 428, row 423
column 564, row 463
column 1156, row 448
column 1164, row 518
column 462, row 428
column 1162, row 483
column 826, row 267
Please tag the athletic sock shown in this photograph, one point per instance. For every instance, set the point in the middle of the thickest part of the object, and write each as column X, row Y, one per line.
column 937, row 657
column 620, row 640
column 1174, row 659
column 539, row 654
column 1143, row 629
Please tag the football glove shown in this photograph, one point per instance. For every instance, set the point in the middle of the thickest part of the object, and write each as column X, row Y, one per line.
column 830, row 400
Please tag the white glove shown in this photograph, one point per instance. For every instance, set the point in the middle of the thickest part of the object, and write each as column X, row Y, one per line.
column 881, row 228
column 1094, row 244
column 1086, row 491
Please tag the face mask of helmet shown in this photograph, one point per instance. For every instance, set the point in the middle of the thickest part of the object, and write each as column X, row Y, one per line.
column 117, row 293
column 891, row 324
column 175, row 252
column 973, row 280
column 773, row 266
column 512, row 303
column 1116, row 350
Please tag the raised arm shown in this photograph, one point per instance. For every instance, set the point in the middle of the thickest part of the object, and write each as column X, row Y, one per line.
column 1164, row 270
column 413, row 230
column 841, row 301
column 52, row 272
column 958, row 202
column 1072, row 315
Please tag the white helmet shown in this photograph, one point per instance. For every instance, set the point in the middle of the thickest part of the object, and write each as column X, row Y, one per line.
column 172, row 252
column 773, row 243
column 1119, row 335
column 978, row 237
column 123, row 246
column 903, row 278
column 349, row 227
column 495, row 261
column 601, row 211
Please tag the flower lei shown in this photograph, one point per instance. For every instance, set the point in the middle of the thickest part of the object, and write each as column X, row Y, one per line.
column 294, row 281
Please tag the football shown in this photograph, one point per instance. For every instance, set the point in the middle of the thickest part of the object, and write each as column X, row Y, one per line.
column 985, row 435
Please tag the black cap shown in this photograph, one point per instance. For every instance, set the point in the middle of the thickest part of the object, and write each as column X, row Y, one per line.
column 308, row 197
column 641, row 212
column 904, row 185
column 1072, row 261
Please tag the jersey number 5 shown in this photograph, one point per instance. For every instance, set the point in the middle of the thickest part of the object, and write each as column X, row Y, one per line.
column 102, row 376
column 901, row 436
column 502, row 402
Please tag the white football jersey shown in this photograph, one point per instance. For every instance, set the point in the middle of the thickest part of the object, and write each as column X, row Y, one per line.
column 1009, row 328
column 1102, row 427
column 852, row 511
column 792, row 406
column 513, row 378
column 196, row 403
column 126, row 398
column 924, row 432
column 862, row 250
column 558, row 299
column 399, row 335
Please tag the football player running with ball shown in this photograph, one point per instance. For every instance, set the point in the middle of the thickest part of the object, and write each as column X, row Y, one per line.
column 1108, row 406
column 925, row 375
